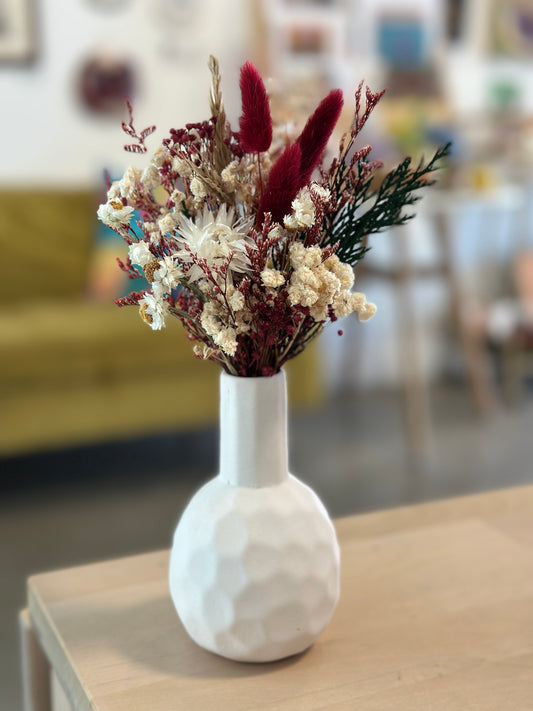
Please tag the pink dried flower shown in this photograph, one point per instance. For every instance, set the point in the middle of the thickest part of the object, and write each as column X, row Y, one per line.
column 131, row 299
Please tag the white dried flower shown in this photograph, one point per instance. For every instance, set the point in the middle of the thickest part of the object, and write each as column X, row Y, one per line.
column 319, row 311
column 215, row 238
column 114, row 191
column 210, row 318
column 307, row 276
column 343, row 271
column 212, row 322
column 197, row 188
column 301, row 294
column 150, row 177
column 319, row 191
column 347, row 303
column 169, row 274
column 181, row 167
column 276, row 232
column 151, row 229
column 313, row 257
column 367, row 311
column 272, row 278
column 320, row 285
column 297, row 255
column 329, row 286
column 235, row 299
column 229, row 175
column 343, row 305
column 227, row 340
column 177, row 198
column 160, row 156
column 139, row 253
column 129, row 182
column 243, row 321
column 167, row 224
column 115, row 215
column 200, row 350
column 304, row 212
column 153, row 310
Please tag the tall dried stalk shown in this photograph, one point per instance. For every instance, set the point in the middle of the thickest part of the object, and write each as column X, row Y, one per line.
column 222, row 154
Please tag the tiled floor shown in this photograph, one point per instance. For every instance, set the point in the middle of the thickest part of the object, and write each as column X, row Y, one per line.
column 112, row 501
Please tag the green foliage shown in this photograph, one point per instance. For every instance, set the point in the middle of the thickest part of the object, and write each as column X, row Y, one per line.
column 374, row 210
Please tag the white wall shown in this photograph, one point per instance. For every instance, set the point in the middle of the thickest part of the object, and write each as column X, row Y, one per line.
column 48, row 138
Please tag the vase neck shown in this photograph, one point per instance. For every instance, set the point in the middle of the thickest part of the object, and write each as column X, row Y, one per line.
column 253, row 430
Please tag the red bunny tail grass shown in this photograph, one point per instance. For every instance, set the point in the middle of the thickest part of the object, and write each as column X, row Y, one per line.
column 255, row 123
column 315, row 135
column 282, row 186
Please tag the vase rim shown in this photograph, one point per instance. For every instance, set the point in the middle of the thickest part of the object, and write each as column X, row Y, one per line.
column 225, row 374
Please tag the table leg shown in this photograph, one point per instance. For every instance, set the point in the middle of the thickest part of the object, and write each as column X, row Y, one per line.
column 60, row 701
column 35, row 669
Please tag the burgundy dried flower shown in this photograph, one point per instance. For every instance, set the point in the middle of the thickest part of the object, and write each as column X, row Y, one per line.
column 255, row 123
column 315, row 135
column 282, row 185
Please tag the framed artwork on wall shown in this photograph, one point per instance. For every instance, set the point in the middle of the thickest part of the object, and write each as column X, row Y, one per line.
column 17, row 31
column 511, row 30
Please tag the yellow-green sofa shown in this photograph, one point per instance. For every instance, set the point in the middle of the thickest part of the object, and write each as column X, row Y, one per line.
column 75, row 371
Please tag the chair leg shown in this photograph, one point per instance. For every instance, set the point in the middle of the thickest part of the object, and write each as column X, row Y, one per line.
column 479, row 378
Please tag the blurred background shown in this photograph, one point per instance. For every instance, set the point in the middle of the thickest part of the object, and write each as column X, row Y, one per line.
column 106, row 428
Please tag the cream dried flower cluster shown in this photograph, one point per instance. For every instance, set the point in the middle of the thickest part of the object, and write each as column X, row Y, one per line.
column 248, row 241
column 323, row 284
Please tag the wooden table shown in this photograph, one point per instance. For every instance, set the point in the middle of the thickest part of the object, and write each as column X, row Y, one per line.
column 436, row 614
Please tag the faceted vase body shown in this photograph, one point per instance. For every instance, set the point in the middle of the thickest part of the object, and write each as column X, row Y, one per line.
column 254, row 568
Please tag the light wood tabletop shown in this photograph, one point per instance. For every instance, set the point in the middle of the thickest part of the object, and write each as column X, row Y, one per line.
column 436, row 614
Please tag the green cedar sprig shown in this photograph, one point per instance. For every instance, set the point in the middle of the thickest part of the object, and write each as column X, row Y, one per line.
column 384, row 205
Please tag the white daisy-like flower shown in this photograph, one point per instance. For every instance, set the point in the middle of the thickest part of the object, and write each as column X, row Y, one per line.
column 320, row 192
column 214, row 238
column 139, row 253
column 167, row 224
column 304, row 212
column 154, row 309
column 168, row 274
column 115, row 215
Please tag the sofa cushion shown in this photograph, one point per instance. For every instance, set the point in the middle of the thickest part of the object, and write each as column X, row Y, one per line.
column 45, row 240
column 62, row 343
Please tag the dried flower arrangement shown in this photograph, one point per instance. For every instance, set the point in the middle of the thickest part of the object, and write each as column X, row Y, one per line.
column 248, row 239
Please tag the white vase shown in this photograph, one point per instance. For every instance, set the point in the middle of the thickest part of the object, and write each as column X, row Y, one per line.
column 254, row 568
